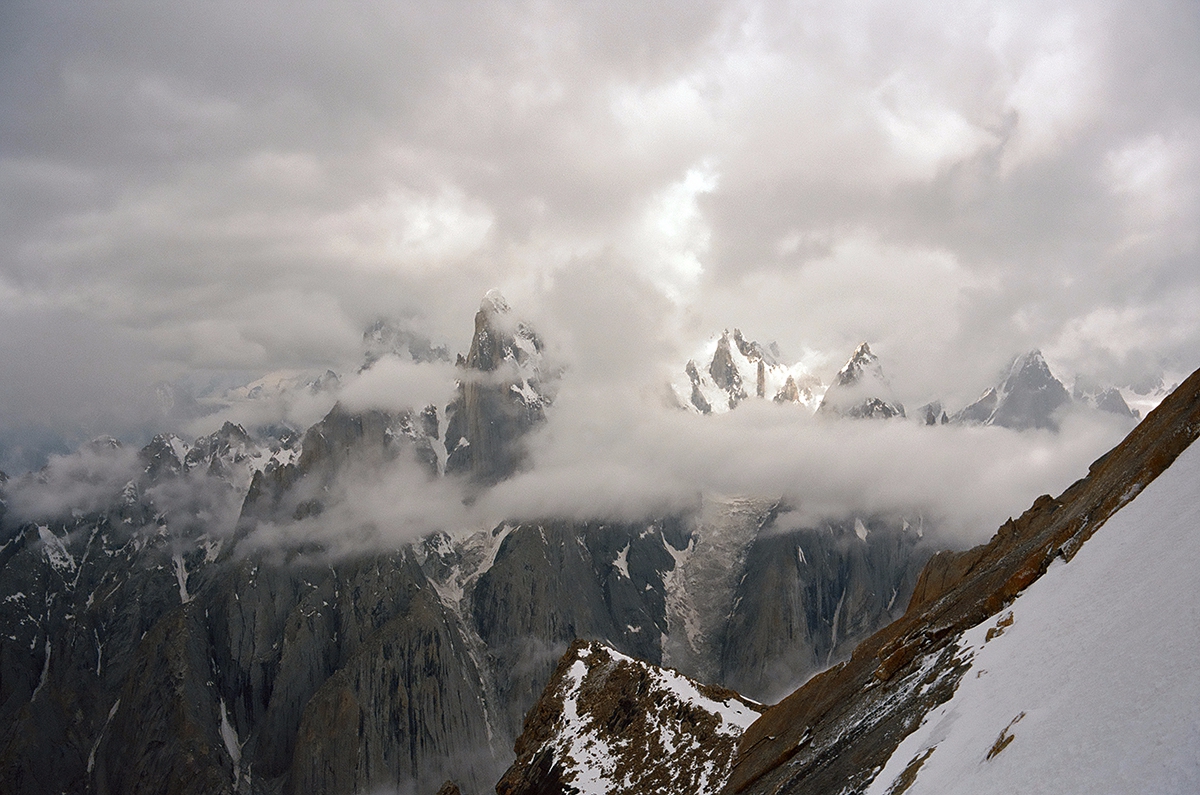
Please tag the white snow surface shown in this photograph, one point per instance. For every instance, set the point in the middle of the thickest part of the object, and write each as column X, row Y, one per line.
column 704, row 580
column 56, row 550
column 1095, row 680
column 181, row 576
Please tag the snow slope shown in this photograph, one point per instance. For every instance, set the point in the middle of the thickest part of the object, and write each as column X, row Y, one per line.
column 1090, row 681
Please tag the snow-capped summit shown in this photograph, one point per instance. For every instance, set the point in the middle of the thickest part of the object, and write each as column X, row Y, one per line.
column 739, row 369
column 494, row 300
column 1027, row 397
column 861, row 390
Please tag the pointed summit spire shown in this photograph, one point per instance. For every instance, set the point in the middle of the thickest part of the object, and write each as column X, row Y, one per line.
column 860, row 389
column 493, row 301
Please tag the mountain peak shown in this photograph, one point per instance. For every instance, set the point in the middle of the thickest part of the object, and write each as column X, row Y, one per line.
column 493, row 301
column 1028, row 397
column 860, row 363
column 1032, row 362
column 738, row 369
column 861, row 390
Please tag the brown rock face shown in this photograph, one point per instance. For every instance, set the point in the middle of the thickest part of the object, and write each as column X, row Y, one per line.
column 833, row 733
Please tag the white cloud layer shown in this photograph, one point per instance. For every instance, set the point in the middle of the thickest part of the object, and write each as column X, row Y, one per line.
column 194, row 192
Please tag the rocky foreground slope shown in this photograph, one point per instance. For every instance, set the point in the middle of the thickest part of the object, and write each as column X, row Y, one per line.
column 609, row 723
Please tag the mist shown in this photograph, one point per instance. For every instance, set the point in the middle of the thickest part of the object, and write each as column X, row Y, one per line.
column 613, row 448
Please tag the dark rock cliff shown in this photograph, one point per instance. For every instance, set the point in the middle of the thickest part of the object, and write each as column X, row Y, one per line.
column 501, row 395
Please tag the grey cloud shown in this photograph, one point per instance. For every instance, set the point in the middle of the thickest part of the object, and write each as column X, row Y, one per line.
column 84, row 481
column 228, row 189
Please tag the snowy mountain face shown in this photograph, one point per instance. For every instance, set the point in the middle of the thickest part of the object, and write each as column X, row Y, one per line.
column 739, row 369
column 861, row 390
column 147, row 645
column 609, row 723
column 1028, row 397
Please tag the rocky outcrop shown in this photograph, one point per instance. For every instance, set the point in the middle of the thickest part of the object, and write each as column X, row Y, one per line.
column 609, row 723
column 836, row 732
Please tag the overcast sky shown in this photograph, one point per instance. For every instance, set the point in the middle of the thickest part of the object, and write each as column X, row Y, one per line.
column 192, row 191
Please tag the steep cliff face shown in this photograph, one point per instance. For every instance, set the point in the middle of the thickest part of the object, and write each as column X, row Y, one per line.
column 609, row 723
column 725, row 597
column 404, row 711
column 502, row 393
column 807, row 597
column 838, row 731
column 554, row 582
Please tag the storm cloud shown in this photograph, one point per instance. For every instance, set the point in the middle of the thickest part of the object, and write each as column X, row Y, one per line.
column 203, row 193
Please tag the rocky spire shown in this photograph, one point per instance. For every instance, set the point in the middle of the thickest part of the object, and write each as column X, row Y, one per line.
column 501, row 394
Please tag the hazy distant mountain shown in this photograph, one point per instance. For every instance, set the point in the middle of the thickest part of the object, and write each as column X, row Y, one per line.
column 1028, row 397
column 385, row 338
column 738, row 369
column 861, row 390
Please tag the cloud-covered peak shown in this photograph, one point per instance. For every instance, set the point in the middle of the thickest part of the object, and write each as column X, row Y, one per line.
column 1029, row 397
column 861, row 390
